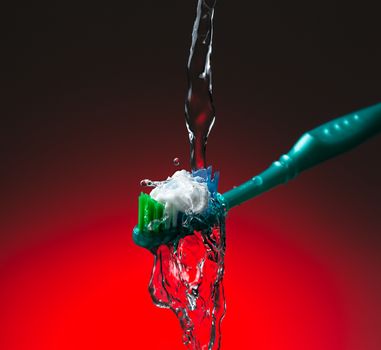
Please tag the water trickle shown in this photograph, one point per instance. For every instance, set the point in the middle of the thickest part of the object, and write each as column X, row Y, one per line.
column 187, row 278
column 199, row 108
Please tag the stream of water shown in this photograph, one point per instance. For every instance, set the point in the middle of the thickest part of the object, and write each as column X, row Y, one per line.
column 199, row 108
column 187, row 274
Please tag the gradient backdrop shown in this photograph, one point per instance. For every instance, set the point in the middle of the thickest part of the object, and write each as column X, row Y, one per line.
column 92, row 102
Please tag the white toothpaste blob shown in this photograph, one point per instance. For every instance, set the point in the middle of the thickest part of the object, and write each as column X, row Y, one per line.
column 181, row 193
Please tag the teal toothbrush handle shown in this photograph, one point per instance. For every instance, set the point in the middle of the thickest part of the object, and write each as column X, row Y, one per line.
column 314, row 147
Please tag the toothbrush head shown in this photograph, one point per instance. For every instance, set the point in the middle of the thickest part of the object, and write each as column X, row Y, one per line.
column 153, row 226
column 164, row 223
column 153, row 230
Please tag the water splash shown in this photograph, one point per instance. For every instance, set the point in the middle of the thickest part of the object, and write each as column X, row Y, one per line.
column 150, row 183
column 199, row 108
column 187, row 278
column 146, row 183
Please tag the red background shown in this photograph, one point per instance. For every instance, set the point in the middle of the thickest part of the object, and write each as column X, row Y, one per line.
column 93, row 102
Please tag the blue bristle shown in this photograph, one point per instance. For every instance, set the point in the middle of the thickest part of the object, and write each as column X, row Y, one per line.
column 205, row 175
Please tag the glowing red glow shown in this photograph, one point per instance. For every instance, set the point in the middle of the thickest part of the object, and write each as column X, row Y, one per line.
column 87, row 290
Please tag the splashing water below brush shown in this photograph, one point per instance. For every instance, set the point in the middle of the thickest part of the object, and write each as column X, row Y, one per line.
column 187, row 278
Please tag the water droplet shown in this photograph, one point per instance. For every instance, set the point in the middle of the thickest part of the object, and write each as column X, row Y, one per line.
column 176, row 161
column 146, row 183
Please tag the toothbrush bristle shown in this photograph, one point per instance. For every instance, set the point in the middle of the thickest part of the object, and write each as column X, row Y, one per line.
column 150, row 211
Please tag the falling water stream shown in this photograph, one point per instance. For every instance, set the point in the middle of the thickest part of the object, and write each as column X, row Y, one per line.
column 187, row 278
column 187, row 273
column 199, row 108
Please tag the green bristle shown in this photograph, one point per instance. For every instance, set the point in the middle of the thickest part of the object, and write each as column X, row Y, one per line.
column 147, row 213
column 149, row 210
column 161, row 215
column 159, row 210
column 141, row 210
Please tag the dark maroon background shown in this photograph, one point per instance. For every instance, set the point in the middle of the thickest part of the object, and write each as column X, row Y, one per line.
column 92, row 102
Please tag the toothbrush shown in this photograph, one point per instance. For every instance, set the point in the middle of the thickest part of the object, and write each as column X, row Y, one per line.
column 314, row 147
